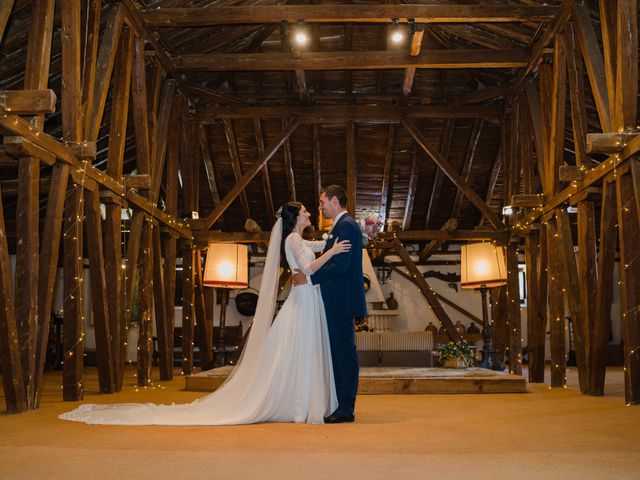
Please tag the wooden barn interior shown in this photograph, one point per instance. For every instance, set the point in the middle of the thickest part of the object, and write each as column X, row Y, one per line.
column 137, row 133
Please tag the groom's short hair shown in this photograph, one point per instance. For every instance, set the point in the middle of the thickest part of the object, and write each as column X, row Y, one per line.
column 335, row 191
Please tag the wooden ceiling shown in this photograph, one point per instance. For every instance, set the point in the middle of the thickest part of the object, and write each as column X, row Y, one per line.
column 350, row 89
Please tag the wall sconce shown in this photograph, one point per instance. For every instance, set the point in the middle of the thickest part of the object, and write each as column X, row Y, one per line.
column 507, row 210
column 483, row 266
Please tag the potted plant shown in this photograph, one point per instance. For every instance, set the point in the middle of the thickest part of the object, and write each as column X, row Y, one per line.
column 457, row 355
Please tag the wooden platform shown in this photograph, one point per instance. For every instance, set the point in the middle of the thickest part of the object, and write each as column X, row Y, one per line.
column 400, row 380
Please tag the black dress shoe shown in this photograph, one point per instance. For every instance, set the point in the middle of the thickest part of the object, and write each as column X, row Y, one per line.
column 340, row 417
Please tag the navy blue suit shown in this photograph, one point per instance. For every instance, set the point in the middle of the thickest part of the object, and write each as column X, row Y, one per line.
column 342, row 286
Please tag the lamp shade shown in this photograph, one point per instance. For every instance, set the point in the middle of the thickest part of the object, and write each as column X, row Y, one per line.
column 482, row 265
column 227, row 266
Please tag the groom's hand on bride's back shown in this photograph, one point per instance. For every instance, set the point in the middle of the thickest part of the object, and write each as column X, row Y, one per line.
column 299, row 278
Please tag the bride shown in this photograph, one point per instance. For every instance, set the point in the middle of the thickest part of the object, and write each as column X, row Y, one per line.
column 284, row 373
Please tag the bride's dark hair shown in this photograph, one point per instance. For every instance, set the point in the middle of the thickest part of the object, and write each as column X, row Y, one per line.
column 289, row 213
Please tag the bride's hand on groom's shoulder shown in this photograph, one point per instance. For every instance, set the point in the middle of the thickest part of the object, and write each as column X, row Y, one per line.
column 340, row 246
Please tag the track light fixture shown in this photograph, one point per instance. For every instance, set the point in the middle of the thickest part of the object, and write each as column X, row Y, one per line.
column 397, row 34
column 300, row 34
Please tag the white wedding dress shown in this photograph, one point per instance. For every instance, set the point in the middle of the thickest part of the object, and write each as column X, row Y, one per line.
column 284, row 374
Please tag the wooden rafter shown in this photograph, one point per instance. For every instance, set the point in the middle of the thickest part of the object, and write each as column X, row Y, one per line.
column 235, row 163
column 387, row 178
column 288, row 165
column 411, row 191
column 445, row 145
column 184, row 17
column 434, row 59
column 248, row 176
column 351, row 167
column 414, row 50
column 468, row 161
column 208, row 165
column 448, row 169
column 449, row 226
column 357, row 113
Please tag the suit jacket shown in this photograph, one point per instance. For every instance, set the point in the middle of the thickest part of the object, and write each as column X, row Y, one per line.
column 341, row 280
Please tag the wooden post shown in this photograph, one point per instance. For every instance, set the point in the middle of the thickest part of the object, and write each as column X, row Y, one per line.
column 513, row 312
column 145, row 320
column 535, row 308
column 99, row 301
column 629, row 239
column 499, row 312
column 188, row 311
column 14, row 387
column 556, row 309
column 73, row 369
column 204, row 322
column 163, row 332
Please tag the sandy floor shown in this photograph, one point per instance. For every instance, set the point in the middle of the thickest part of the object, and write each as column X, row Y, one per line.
column 543, row 434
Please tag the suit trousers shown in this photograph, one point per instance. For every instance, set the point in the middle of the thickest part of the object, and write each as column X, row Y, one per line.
column 345, row 361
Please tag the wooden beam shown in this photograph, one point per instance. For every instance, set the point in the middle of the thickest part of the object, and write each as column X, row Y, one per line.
column 140, row 110
column 226, row 15
column 90, row 38
column 449, row 226
column 594, row 63
column 448, row 169
column 558, row 99
column 591, row 177
column 356, row 113
column 538, row 127
column 145, row 305
column 248, row 176
column 536, row 318
column 26, row 267
column 99, row 298
column 106, row 60
column 73, row 340
column 626, row 96
column 427, row 292
column 12, row 378
column 445, row 145
column 414, row 50
column 20, row 127
column 387, row 178
column 608, row 15
column 27, row 102
column 434, row 59
column 560, row 20
column 571, row 290
column 266, row 181
column 599, row 339
column 48, row 268
column 208, row 166
column 579, row 121
column 468, row 162
column 411, row 190
column 288, row 166
column 204, row 322
column 556, row 310
column 493, row 180
column 5, row 11
column 629, row 239
column 317, row 172
column 20, row 147
column 351, row 168
column 610, row 142
column 235, row 163
column 159, row 152
column 481, row 95
column 188, row 308
column 514, row 319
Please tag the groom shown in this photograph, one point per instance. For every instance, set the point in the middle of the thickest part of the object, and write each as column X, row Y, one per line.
column 342, row 286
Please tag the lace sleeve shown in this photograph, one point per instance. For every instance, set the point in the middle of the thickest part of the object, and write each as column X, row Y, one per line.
column 296, row 244
column 315, row 245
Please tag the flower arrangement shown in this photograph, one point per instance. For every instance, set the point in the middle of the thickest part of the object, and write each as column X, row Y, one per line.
column 371, row 226
column 457, row 355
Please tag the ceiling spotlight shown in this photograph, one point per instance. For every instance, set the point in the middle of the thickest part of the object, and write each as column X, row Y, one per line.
column 300, row 34
column 396, row 32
